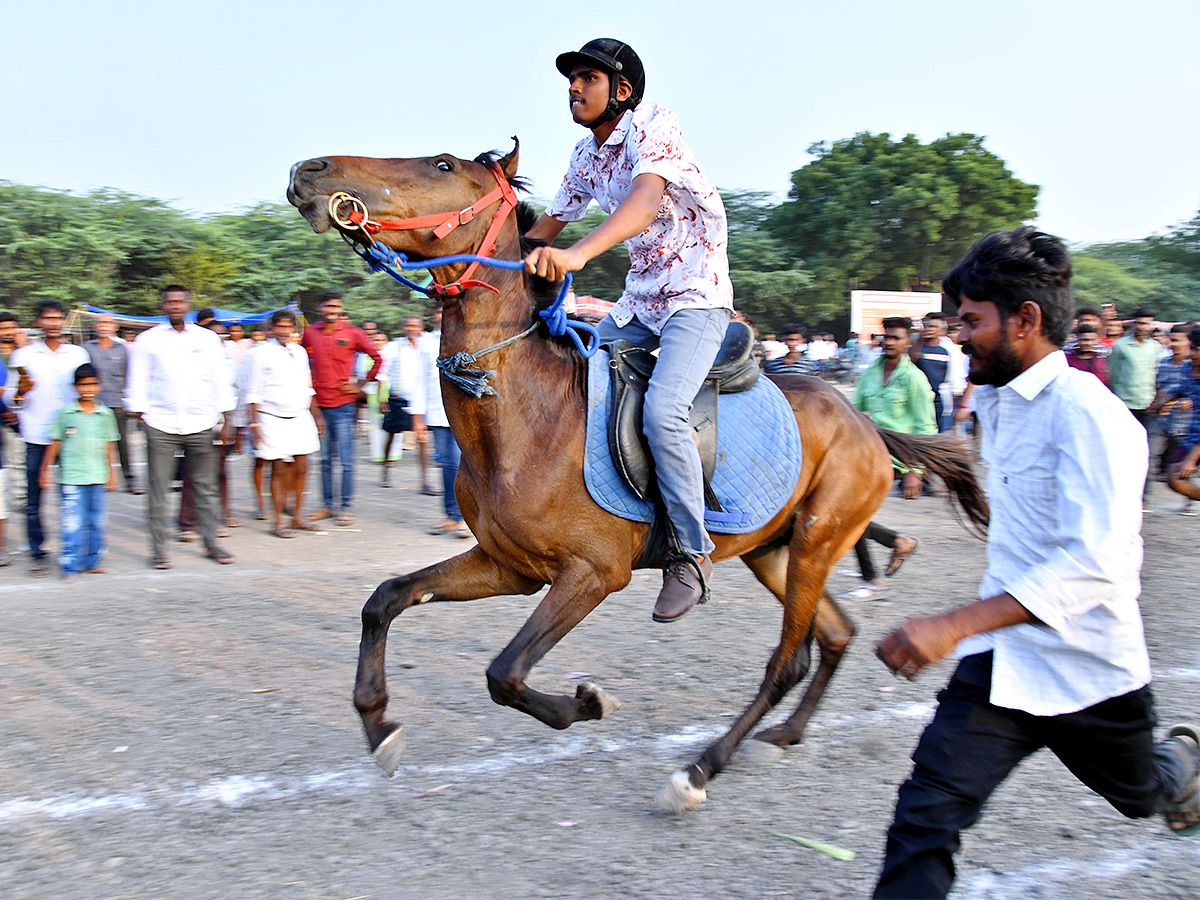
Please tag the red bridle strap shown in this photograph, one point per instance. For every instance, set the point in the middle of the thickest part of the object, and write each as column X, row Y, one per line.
column 444, row 223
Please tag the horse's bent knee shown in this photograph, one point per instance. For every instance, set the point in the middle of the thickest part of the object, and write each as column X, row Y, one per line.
column 504, row 686
column 381, row 606
column 781, row 678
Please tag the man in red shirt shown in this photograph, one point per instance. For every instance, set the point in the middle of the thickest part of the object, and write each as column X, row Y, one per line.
column 333, row 344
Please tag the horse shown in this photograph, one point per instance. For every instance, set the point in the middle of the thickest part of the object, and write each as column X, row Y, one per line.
column 520, row 482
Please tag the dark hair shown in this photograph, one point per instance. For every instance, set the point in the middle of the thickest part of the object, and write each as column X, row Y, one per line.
column 935, row 315
column 1143, row 313
column 1181, row 328
column 1086, row 329
column 1194, row 339
column 44, row 305
column 1087, row 311
column 1008, row 268
column 793, row 328
column 205, row 313
column 280, row 314
column 173, row 289
column 7, row 317
column 329, row 295
column 87, row 370
column 897, row 322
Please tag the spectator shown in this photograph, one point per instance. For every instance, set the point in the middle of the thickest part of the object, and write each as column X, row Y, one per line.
column 332, row 345
column 895, row 394
column 283, row 419
column 9, row 418
column 1132, row 369
column 773, row 349
column 110, row 358
column 1086, row 355
column 46, row 371
column 429, row 419
column 403, row 377
column 82, row 439
column 1171, row 372
column 1053, row 655
column 1187, row 456
column 934, row 359
column 1088, row 315
column 794, row 361
column 11, row 337
column 180, row 386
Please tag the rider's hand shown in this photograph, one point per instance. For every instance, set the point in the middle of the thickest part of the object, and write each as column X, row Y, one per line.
column 553, row 263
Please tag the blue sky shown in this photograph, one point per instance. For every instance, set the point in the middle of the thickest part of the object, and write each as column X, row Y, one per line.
column 207, row 105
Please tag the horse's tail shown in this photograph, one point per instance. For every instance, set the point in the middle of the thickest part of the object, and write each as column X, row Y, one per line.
column 950, row 459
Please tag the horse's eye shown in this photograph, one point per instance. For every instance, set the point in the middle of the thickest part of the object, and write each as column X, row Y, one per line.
column 443, row 165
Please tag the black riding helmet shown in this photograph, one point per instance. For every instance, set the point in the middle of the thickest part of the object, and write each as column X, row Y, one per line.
column 614, row 59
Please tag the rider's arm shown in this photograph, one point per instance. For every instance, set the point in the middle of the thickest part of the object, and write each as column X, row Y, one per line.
column 632, row 217
column 546, row 228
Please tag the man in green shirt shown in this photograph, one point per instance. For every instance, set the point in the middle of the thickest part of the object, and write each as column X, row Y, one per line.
column 1133, row 372
column 897, row 396
column 83, row 438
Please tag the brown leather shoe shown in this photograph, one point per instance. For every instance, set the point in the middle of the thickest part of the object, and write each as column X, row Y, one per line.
column 685, row 583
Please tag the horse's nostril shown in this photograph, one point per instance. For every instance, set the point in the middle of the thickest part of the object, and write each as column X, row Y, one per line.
column 310, row 169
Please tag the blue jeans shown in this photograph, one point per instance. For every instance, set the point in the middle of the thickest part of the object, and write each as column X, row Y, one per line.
column 338, row 439
column 83, row 515
column 446, row 454
column 687, row 347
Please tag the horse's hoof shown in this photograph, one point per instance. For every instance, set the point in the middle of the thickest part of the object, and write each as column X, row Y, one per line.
column 757, row 753
column 777, row 735
column 680, row 795
column 389, row 751
column 596, row 699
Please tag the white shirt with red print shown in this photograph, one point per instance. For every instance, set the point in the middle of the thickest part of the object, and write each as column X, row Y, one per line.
column 680, row 261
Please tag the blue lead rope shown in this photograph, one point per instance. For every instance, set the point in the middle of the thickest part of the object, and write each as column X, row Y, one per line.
column 383, row 259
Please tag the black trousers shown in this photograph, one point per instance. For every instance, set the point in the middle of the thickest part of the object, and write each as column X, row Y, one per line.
column 971, row 746
column 879, row 535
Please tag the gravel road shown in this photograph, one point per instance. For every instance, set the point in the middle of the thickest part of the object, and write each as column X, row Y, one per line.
column 189, row 734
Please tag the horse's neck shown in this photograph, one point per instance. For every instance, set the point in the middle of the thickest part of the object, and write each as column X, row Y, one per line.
column 538, row 383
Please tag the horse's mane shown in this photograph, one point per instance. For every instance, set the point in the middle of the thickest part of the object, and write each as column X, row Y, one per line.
column 541, row 291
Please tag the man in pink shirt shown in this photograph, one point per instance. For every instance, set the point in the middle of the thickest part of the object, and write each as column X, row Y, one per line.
column 332, row 345
column 636, row 165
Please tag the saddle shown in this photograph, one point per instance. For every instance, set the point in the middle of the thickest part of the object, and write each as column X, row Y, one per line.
column 734, row 370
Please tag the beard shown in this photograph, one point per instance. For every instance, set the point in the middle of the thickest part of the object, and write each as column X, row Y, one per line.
column 997, row 366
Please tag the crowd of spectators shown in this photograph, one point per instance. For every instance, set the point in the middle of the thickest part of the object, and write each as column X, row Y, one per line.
column 201, row 392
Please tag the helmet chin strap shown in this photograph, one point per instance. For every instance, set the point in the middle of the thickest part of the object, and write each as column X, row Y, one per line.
column 614, row 108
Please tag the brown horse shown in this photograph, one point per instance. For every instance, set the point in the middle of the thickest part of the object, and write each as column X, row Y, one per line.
column 520, row 483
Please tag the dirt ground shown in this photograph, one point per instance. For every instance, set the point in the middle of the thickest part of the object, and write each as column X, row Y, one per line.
column 190, row 734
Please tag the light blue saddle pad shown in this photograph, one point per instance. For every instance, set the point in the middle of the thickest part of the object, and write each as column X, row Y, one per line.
column 758, row 456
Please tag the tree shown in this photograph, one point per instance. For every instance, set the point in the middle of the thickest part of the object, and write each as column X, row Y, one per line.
column 870, row 212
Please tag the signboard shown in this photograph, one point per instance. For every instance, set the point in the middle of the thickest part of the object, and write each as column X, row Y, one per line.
column 868, row 309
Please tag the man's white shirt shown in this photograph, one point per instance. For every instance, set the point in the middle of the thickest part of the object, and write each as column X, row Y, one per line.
column 180, row 381
column 53, row 376
column 279, row 381
column 1067, row 462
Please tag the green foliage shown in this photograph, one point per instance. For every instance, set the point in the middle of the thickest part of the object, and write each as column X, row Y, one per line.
column 604, row 276
column 1161, row 272
column 870, row 212
column 117, row 250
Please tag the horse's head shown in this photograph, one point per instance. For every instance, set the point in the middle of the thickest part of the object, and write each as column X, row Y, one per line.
column 395, row 190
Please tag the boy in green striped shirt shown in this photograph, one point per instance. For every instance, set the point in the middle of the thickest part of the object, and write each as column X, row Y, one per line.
column 84, row 436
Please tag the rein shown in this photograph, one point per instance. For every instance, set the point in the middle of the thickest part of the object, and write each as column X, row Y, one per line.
column 381, row 258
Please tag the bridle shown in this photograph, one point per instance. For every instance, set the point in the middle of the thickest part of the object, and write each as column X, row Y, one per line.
column 350, row 213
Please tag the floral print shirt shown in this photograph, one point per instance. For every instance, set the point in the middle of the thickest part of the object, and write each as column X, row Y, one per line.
column 680, row 261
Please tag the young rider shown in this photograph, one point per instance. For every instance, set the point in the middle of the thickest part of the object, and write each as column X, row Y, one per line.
column 678, row 298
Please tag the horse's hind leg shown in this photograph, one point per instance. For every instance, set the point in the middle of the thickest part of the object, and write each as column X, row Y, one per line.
column 807, row 563
column 469, row 576
column 576, row 591
column 833, row 630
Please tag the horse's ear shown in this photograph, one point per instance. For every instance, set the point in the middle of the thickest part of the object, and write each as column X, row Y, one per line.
column 509, row 163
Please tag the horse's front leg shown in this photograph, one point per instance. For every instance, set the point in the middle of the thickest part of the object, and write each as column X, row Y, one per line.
column 574, row 593
column 469, row 576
